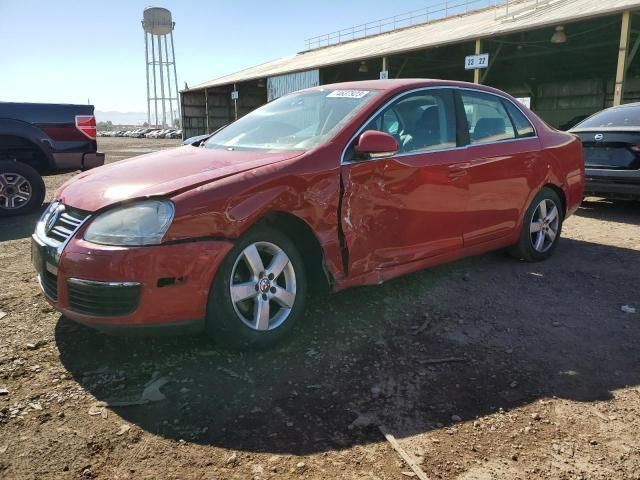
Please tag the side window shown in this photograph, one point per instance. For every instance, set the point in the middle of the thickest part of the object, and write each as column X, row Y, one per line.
column 522, row 123
column 487, row 118
column 421, row 121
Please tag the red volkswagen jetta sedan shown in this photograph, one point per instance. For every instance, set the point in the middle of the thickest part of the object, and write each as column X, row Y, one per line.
column 352, row 183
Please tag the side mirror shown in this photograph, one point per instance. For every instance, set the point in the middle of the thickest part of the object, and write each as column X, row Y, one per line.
column 377, row 144
column 196, row 141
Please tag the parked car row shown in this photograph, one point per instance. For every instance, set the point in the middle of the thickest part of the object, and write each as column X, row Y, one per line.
column 143, row 133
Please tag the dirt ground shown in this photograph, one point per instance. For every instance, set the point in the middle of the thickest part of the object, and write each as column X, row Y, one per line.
column 543, row 377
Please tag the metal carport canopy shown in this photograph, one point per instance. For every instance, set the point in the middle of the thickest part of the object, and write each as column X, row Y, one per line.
column 488, row 22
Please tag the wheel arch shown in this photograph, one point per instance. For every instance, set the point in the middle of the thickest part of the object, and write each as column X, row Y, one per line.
column 561, row 194
column 15, row 135
column 307, row 242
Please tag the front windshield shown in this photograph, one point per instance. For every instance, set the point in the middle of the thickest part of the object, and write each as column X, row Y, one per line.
column 299, row 121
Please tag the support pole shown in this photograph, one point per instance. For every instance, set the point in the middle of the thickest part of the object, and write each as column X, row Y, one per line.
column 206, row 107
column 155, row 80
column 146, row 56
column 618, row 93
column 164, row 113
column 385, row 64
column 175, row 76
column 170, row 95
column 476, row 72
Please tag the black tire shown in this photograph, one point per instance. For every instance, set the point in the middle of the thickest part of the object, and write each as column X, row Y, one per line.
column 36, row 188
column 224, row 323
column 525, row 249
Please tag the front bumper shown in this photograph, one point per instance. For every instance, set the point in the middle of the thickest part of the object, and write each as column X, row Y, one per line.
column 112, row 287
column 612, row 182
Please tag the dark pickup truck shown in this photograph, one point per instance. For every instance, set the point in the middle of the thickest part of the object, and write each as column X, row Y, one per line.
column 38, row 139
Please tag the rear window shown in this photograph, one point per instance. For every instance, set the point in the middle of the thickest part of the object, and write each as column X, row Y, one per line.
column 613, row 117
column 522, row 124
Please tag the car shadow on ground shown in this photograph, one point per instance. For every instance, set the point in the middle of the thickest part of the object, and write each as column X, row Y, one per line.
column 611, row 211
column 374, row 351
column 21, row 226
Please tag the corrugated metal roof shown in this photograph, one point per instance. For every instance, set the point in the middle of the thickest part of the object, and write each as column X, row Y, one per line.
column 480, row 24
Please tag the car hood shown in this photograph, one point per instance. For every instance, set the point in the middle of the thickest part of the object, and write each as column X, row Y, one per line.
column 163, row 173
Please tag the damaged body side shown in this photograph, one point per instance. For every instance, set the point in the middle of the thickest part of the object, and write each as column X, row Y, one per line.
column 396, row 211
column 303, row 189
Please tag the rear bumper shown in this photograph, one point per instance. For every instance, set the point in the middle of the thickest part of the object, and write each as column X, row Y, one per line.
column 92, row 160
column 77, row 160
column 612, row 182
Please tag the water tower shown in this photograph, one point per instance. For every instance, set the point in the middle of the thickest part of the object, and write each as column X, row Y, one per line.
column 157, row 24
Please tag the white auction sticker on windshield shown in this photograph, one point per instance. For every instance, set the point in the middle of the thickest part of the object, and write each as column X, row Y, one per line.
column 348, row 94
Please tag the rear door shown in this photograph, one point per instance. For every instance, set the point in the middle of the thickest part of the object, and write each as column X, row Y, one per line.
column 503, row 152
column 410, row 205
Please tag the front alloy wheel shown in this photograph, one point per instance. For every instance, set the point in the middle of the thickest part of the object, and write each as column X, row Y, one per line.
column 263, row 296
column 21, row 188
column 15, row 191
column 259, row 291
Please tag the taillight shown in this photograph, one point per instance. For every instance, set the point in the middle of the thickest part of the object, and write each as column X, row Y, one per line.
column 87, row 125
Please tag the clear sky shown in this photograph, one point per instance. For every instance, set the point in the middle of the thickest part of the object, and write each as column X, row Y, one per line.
column 69, row 51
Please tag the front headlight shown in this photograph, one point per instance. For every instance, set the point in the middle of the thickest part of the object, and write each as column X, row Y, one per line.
column 140, row 223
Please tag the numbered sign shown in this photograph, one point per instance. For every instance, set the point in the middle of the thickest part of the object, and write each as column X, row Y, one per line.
column 234, row 95
column 472, row 62
column 384, row 75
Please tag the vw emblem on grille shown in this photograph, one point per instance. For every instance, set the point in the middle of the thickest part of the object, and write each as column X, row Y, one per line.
column 598, row 137
column 53, row 218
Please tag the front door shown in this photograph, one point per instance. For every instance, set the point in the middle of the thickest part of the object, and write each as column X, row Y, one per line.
column 411, row 205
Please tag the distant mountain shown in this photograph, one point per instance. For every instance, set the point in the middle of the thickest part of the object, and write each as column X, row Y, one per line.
column 121, row 118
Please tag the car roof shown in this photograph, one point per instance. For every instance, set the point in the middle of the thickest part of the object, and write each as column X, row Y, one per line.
column 577, row 127
column 626, row 105
column 400, row 84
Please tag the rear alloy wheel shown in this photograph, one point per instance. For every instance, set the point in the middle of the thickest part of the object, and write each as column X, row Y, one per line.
column 544, row 227
column 259, row 291
column 541, row 227
column 21, row 188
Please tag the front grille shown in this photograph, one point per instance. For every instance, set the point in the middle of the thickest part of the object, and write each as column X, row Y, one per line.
column 49, row 284
column 103, row 299
column 66, row 223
